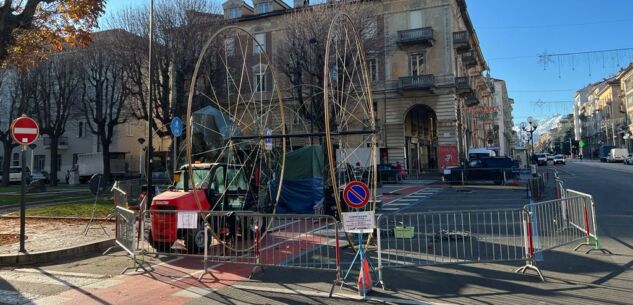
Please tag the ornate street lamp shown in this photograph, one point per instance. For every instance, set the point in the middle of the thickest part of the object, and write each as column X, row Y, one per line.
column 530, row 127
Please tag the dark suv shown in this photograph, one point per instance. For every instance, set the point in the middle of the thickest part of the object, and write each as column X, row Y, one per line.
column 495, row 169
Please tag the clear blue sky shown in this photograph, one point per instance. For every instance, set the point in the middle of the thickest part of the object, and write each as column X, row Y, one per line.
column 512, row 28
column 513, row 33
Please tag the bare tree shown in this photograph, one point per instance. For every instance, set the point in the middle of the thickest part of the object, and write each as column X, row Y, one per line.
column 58, row 89
column 300, row 55
column 180, row 30
column 18, row 91
column 104, row 92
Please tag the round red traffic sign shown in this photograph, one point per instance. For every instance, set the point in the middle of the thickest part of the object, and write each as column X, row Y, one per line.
column 356, row 194
column 24, row 130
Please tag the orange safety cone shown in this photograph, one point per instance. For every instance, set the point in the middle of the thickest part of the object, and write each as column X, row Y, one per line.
column 364, row 279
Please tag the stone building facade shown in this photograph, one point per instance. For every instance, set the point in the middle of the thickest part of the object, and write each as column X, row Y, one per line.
column 430, row 70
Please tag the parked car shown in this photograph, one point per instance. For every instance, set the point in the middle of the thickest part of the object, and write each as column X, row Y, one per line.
column 629, row 159
column 550, row 157
column 540, row 158
column 40, row 175
column 15, row 175
column 495, row 169
column 389, row 173
column 559, row 159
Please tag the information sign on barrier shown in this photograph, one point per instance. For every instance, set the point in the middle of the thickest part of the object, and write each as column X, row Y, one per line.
column 359, row 222
column 187, row 220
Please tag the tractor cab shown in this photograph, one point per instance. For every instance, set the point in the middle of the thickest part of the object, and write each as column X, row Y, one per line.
column 221, row 187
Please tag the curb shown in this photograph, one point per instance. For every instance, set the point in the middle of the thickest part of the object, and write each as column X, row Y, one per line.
column 43, row 257
column 57, row 218
column 491, row 187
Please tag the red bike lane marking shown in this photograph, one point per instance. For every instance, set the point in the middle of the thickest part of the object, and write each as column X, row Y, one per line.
column 162, row 286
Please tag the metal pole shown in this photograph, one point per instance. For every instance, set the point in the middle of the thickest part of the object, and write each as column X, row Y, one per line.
column 150, row 110
column 174, row 161
column 22, row 201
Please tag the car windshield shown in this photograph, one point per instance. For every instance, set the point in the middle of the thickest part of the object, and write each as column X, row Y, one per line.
column 236, row 178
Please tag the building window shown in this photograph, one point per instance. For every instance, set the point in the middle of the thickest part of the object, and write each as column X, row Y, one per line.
column 234, row 12
column 130, row 129
column 229, row 46
column 372, row 69
column 415, row 19
column 263, row 7
column 80, row 131
column 15, row 160
column 39, row 162
column 260, row 78
column 261, row 39
column 417, row 64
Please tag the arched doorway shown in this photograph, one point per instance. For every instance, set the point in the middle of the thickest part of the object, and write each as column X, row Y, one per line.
column 420, row 133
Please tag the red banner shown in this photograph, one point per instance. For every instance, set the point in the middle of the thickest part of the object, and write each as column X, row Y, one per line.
column 447, row 155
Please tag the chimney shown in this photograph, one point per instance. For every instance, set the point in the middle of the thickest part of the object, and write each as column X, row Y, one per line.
column 301, row 3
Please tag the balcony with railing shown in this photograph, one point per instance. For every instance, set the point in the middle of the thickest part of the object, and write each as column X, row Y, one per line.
column 461, row 41
column 417, row 82
column 468, row 59
column 423, row 36
column 471, row 100
column 62, row 142
column 462, row 85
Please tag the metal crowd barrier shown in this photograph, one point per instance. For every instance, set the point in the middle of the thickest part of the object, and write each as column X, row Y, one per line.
column 126, row 236
column 449, row 237
column 589, row 223
column 127, row 192
column 279, row 240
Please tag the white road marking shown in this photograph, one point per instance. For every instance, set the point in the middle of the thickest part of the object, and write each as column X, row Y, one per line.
column 43, row 279
column 61, row 273
column 193, row 292
column 49, row 300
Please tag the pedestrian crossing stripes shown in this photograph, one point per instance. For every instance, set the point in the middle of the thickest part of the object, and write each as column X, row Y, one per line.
column 410, row 199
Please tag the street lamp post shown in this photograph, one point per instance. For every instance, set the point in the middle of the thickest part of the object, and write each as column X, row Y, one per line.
column 530, row 127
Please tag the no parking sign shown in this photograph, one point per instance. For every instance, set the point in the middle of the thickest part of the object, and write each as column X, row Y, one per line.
column 356, row 194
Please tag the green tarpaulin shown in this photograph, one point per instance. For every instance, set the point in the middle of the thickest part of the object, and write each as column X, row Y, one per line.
column 304, row 163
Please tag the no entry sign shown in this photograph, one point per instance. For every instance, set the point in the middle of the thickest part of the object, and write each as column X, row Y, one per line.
column 24, row 130
column 356, row 194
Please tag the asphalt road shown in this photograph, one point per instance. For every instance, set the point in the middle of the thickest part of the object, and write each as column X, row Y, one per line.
column 611, row 185
column 572, row 277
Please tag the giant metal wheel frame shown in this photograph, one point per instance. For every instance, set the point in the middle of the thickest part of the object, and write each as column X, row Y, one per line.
column 348, row 105
column 260, row 136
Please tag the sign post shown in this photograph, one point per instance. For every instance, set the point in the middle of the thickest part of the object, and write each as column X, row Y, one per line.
column 176, row 130
column 25, row 131
column 356, row 195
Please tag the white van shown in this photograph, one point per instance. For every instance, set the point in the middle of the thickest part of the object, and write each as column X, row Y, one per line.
column 617, row 155
column 480, row 152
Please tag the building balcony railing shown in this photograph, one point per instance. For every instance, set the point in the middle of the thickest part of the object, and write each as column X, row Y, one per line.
column 62, row 142
column 462, row 85
column 468, row 59
column 417, row 82
column 461, row 41
column 471, row 100
column 422, row 36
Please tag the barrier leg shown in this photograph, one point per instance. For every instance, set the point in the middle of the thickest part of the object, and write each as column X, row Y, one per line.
column 338, row 279
column 595, row 246
column 529, row 263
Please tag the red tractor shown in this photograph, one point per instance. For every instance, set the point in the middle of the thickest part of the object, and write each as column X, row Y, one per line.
column 220, row 187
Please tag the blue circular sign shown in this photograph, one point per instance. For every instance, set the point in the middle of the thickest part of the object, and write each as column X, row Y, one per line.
column 176, row 126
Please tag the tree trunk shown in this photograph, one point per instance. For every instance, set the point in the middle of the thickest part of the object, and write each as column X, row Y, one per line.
column 6, row 163
column 105, row 148
column 54, row 155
